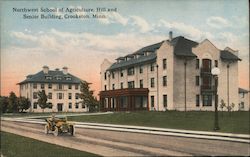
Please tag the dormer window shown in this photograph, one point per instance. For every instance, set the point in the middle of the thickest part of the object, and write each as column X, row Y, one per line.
column 68, row 78
column 48, row 77
column 58, row 78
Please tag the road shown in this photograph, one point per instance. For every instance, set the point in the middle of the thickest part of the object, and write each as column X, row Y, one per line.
column 114, row 143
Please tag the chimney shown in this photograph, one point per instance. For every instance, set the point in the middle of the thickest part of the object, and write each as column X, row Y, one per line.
column 170, row 35
column 65, row 70
column 45, row 69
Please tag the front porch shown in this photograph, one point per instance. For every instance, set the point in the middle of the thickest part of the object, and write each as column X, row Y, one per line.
column 129, row 99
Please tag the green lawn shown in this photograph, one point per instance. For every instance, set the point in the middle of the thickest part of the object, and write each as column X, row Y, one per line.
column 18, row 146
column 235, row 122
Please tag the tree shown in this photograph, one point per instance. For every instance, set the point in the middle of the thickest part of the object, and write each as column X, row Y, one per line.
column 230, row 107
column 3, row 104
column 222, row 104
column 87, row 96
column 23, row 104
column 12, row 103
column 42, row 100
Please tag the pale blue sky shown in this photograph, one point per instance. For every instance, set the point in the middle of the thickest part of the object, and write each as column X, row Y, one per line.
column 77, row 43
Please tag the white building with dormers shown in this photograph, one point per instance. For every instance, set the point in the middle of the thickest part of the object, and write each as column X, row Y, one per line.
column 61, row 87
column 174, row 74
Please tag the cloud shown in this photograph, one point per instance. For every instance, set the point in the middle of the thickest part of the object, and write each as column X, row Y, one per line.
column 113, row 17
column 141, row 23
column 186, row 30
column 23, row 36
column 217, row 22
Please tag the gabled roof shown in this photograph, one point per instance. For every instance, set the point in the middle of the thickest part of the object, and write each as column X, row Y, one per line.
column 140, row 60
column 150, row 48
column 241, row 90
column 183, row 46
column 40, row 77
column 226, row 55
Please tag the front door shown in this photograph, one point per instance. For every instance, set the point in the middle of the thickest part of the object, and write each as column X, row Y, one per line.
column 59, row 107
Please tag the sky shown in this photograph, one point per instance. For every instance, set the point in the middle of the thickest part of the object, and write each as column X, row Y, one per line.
column 82, row 44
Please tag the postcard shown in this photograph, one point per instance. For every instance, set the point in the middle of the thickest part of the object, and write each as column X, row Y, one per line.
column 124, row 78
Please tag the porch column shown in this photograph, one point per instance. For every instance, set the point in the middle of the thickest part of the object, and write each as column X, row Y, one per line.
column 117, row 103
column 109, row 103
column 133, row 103
column 129, row 103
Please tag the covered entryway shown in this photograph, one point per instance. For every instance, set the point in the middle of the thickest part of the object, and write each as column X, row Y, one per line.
column 129, row 99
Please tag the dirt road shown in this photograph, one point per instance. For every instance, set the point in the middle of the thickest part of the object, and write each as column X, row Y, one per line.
column 113, row 143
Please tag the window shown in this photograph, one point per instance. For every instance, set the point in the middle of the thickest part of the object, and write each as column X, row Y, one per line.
column 58, row 78
column 113, row 75
column 197, row 100
column 105, row 76
column 197, row 80
column 42, row 86
column 60, row 86
column 121, row 85
column 113, row 86
column 59, row 95
column 68, row 78
column 70, row 96
column 216, row 63
column 242, row 105
column 141, row 83
column 76, row 87
column 70, row 86
column 77, row 95
column 131, row 84
column 70, row 105
column 50, row 86
column 35, row 105
column 164, row 81
column 242, row 95
column 49, row 95
column 121, row 73
column 197, row 63
column 131, row 71
column 165, row 100
column 207, row 100
column 152, row 68
column 164, row 63
column 83, row 106
column 105, row 87
column 35, row 95
column 141, row 69
column 152, row 82
column 152, row 101
column 34, row 85
column 50, row 105
column 48, row 77
column 77, row 105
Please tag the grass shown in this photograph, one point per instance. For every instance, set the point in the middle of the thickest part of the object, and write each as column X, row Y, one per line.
column 234, row 122
column 18, row 146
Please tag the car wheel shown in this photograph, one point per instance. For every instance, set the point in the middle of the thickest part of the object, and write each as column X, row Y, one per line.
column 56, row 132
column 46, row 129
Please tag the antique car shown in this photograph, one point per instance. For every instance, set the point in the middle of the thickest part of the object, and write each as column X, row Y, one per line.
column 59, row 125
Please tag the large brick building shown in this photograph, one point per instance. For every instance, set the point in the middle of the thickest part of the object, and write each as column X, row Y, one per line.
column 174, row 74
column 62, row 90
